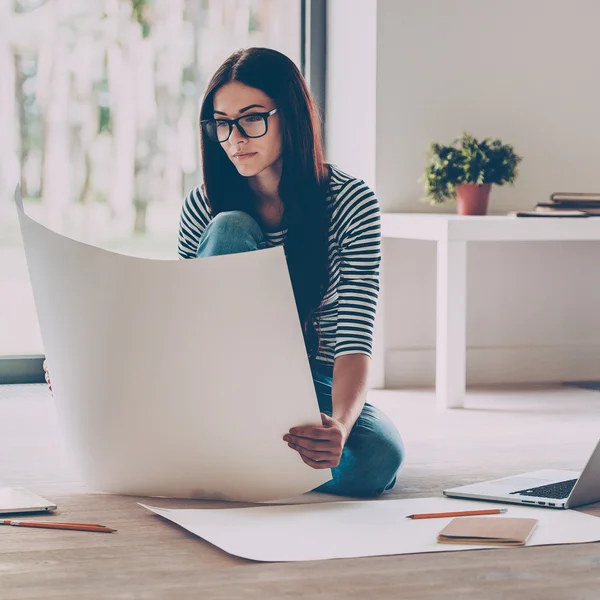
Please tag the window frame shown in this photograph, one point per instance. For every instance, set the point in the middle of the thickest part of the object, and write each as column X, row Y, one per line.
column 313, row 52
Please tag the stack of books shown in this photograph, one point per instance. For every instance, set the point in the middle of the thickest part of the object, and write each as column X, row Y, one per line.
column 561, row 202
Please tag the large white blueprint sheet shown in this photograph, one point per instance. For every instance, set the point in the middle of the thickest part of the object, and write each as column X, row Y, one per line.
column 354, row 529
column 174, row 378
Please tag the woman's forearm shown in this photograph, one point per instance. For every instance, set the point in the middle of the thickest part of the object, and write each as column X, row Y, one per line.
column 349, row 389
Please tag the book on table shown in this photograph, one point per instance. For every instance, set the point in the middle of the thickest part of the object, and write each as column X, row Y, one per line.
column 565, row 204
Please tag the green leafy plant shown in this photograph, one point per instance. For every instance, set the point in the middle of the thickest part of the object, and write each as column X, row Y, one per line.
column 467, row 160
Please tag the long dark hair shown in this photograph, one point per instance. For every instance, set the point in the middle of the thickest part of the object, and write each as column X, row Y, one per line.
column 304, row 177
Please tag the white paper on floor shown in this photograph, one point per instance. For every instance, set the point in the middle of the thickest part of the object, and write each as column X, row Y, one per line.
column 360, row 528
column 174, row 378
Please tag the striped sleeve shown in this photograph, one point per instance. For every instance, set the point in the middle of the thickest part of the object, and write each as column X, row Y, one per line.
column 195, row 216
column 359, row 236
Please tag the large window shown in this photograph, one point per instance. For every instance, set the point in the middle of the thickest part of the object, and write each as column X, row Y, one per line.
column 98, row 112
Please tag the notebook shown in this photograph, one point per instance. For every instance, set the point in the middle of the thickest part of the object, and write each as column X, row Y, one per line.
column 489, row 531
column 574, row 197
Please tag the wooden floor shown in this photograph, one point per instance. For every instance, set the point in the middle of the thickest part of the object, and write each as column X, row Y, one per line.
column 500, row 432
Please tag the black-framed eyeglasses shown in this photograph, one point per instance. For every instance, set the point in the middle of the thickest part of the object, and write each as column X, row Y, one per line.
column 253, row 125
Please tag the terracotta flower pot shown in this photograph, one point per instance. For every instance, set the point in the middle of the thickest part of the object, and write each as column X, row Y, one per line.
column 472, row 199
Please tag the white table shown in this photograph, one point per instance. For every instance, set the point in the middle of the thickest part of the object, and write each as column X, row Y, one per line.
column 452, row 232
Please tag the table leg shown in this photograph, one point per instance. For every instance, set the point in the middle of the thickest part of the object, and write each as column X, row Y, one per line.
column 450, row 382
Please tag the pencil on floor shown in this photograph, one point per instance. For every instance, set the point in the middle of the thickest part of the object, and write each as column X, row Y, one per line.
column 58, row 525
column 463, row 513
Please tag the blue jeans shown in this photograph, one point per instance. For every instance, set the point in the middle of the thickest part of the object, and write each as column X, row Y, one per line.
column 374, row 451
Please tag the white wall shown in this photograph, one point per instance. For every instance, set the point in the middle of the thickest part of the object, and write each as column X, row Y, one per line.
column 528, row 73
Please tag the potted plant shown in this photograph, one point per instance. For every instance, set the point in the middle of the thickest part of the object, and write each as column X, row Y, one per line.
column 466, row 170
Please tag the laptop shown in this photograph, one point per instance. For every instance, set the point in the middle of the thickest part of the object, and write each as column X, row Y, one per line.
column 21, row 500
column 548, row 488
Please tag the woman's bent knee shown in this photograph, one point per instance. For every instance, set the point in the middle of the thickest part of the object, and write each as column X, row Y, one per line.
column 231, row 232
column 236, row 220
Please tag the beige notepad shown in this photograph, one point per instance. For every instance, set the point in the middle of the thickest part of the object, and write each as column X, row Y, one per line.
column 501, row 531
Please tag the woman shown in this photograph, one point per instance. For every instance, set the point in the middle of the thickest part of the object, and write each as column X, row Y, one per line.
column 266, row 183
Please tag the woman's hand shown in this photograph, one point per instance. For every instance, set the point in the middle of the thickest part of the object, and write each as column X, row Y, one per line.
column 319, row 447
column 47, row 376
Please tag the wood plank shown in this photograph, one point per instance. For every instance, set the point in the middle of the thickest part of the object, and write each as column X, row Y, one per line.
column 499, row 432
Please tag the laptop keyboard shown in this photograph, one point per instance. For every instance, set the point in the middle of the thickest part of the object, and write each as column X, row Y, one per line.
column 558, row 490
